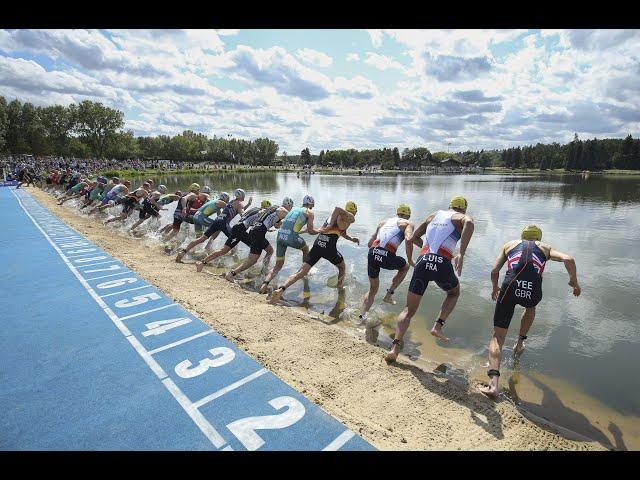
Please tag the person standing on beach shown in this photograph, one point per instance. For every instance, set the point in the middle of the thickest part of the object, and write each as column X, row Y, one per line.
column 522, row 285
column 325, row 247
column 289, row 236
column 383, row 245
column 443, row 229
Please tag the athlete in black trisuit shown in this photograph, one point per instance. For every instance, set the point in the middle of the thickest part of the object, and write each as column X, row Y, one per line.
column 522, row 285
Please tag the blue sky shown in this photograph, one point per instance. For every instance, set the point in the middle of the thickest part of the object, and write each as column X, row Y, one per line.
column 328, row 89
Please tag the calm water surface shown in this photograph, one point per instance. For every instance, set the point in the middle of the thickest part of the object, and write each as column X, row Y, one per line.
column 580, row 366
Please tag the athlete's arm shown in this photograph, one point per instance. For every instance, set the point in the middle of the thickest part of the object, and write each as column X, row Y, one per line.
column 465, row 237
column 375, row 234
column 408, row 233
column 570, row 265
column 242, row 208
column 310, row 230
column 495, row 271
column 351, row 239
column 421, row 230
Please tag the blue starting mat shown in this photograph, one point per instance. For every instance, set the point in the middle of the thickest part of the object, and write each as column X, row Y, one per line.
column 95, row 358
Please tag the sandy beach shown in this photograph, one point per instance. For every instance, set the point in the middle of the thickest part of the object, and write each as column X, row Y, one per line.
column 398, row 407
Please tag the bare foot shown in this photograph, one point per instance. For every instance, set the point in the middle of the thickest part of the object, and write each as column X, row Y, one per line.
column 180, row 255
column 388, row 298
column 490, row 390
column 518, row 348
column 228, row 277
column 390, row 357
column 276, row 296
column 264, row 288
column 436, row 331
column 199, row 266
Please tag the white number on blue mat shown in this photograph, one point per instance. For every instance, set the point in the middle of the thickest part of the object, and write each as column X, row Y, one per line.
column 116, row 283
column 112, row 267
column 161, row 326
column 222, row 356
column 244, row 429
column 139, row 300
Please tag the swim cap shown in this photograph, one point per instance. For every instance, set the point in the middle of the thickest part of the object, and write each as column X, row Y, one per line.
column 149, row 181
column 162, row 188
column 206, row 189
column 115, row 180
column 146, row 185
column 239, row 193
column 224, row 196
column 287, row 202
column 194, row 187
column 531, row 232
column 179, row 193
column 403, row 209
column 458, row 202
column 351, row 207
column 127, row 183
column 265, row 204
column 308, row 200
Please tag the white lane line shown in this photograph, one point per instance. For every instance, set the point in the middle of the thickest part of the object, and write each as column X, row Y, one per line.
column 82, row 250
column 104, row 276
column 227, row 449
column 229, row 388
column 205, row 427
column 127, row 290
column 343, row 438
column 98, row 263
column 148, row 311
column 88, row 260
column 81, row 255
column 180, row 342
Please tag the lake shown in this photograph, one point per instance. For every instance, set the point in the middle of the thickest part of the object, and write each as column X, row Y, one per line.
column 579, row 368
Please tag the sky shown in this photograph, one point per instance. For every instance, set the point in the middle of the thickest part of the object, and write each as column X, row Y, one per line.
column 332, row 89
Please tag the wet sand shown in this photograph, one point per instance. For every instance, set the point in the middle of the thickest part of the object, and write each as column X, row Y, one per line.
column 398, row 407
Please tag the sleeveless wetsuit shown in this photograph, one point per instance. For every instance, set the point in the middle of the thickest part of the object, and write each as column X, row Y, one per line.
column 326, row 246
column 382, row 253
column 522, row 284
column 288, row 235
column 239, row 230
column 222, row 221
column 202, row 218
column 257, row 232
column 434, row 262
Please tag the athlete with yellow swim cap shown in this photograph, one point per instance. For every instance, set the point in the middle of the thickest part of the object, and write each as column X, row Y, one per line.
column 383, row 245
column 325, row 247
column 522, row 285
column 443, row 229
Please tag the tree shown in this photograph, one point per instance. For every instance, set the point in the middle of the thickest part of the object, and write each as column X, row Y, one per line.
column 3, row 123
column 305, row 156
column 97, row 124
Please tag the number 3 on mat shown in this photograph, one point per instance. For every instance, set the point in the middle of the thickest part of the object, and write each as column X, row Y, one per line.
column 244, row 429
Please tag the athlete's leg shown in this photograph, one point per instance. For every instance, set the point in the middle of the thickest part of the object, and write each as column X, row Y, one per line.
column 495, row 356
column 267, row 257
column 341, row 272
column 374, row 285
column 404, row 319
column 248, row 263
column 212, row 256
column 277, row 293
column 447, row 307
column 272, row 273
column 526, row 321
column 395, row 281
column 192, row 244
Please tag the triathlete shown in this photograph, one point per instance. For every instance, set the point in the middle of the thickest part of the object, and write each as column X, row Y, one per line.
column 443, row 230
column 221, row 222
column 383, row 245
column 256, row 234
column 150, row 207
column 522, row 285
column 113, row 196
column 183, row 207
column 325, row 247
column 238, row 234
column 289, row 236
column 130, row 203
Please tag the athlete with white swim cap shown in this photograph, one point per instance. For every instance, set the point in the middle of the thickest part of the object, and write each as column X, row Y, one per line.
column 238, row 234
column 443, row 230
column 325, row 247
column 383, row 245
column 289, row 236
column 221, row 223
column 522, row 285
column 256, row 235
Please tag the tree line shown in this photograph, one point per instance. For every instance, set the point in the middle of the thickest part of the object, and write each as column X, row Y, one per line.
column 91, row 129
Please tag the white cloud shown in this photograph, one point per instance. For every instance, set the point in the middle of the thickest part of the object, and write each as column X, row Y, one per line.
column 353, row 57
column 376, row 37
column 382, row 62
column 314, row 57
